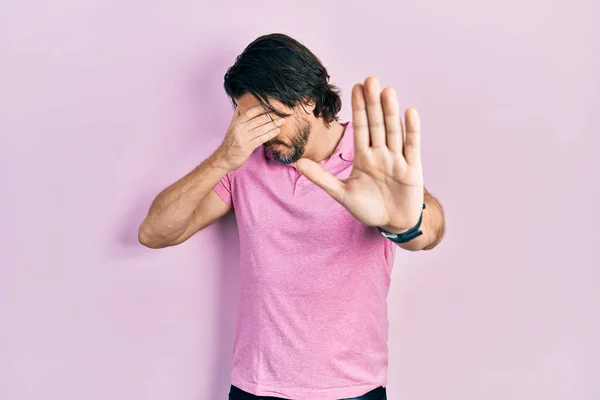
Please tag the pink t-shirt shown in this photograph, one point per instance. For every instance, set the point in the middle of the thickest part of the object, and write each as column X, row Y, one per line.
column 312, row 313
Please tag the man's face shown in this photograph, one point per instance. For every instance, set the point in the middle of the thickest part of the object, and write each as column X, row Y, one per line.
column 289, row 145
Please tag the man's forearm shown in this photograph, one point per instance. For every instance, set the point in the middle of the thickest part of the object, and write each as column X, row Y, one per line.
column 172, row 209
column 433, row 226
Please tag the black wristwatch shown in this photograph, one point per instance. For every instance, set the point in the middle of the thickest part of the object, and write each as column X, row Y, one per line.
column 405, row 236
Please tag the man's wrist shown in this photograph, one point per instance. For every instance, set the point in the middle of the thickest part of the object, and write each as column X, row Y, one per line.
column 219, row 161
column 395, row 231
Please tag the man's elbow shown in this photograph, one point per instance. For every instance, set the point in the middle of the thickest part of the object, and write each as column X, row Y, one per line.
column 431, row 246
column 417, row 245
column 414, row 246
column 437, row 241
column 147, row 237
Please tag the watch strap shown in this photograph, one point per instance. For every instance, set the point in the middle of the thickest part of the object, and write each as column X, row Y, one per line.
column 404, row 236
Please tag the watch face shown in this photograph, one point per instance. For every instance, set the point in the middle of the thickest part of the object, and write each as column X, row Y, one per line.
column 402, row 237
column 389, row 235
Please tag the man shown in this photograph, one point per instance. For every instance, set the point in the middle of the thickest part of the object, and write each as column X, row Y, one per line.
column 321, row 206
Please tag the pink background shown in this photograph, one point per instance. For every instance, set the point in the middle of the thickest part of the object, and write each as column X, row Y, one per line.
column 102, row 104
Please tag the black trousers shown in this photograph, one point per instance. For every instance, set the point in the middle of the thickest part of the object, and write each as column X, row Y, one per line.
column 236, row 393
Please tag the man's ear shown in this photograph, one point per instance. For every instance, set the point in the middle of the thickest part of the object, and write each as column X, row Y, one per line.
column 309, row 106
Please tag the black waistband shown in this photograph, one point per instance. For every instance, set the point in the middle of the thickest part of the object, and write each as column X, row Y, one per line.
column 235, row 393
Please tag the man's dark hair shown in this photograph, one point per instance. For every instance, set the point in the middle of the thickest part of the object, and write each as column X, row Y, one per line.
column 279, row 67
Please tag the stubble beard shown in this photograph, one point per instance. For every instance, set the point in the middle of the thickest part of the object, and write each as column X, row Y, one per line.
column 298, row 144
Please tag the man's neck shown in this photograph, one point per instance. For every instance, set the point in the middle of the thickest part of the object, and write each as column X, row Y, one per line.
column 323, row 140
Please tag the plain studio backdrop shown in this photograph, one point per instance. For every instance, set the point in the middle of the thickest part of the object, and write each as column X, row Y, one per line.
column 103, row 104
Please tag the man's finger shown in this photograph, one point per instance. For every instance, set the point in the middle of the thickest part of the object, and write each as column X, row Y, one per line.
column 322, row 178
column 264, row 128
column 360, row 122
column 264, row 137
column 262, row 120
column 412, row 143
column 251, row 113
column 375, row 112
column 393, row 120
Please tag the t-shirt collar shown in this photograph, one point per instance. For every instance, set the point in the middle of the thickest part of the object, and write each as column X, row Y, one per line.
column 346, row 146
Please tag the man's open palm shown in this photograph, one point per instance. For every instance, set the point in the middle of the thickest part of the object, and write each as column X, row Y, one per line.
column 385, row 187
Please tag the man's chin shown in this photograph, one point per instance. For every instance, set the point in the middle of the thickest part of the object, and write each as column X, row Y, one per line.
column 280, row 158
column 282, row 153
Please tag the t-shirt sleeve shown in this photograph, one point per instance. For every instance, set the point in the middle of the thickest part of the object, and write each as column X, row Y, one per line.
column 223, row 189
